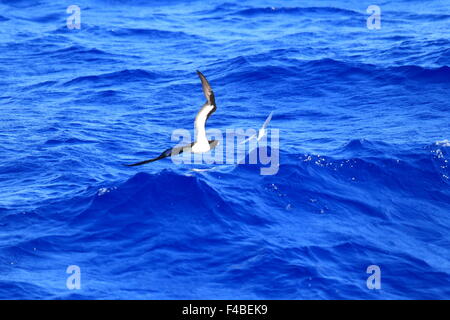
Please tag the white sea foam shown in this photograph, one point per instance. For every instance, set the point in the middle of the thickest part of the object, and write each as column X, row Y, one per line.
column 102, row 191
column 443, row 143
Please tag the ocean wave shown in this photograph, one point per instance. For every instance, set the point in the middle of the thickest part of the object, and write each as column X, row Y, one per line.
column 51, row 17
column 283, row 66
column 78, row 49
column 175, row 198
column 296, row 10
column 174, row 212
column 440, row 74
column 160, row 197
column 152, row 34
column 122, row 75
column 18, row 289
column 67, row 141
column 148, row 34
column 444, row 143
column 40, row 85
column 428, row 17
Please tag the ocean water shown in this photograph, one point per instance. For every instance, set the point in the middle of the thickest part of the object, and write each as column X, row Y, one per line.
column 363, row 118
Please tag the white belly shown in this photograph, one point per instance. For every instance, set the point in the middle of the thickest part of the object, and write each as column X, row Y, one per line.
column 201, row 147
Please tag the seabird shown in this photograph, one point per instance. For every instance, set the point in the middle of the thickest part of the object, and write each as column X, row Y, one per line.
column 201, row 143
column 262, row 132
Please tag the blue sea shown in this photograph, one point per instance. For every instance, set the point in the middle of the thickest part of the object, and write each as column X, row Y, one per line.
column 363, row 115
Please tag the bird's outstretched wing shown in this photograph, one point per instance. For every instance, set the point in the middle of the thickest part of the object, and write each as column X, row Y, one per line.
column 207, row 91
column 266, row 123
column 165, row 154
column 262, row 130
column 248, row 139
column 206, row 111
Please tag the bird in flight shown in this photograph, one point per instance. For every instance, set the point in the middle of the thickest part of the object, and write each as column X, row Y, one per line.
column 262, row 132
column 201, row 143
